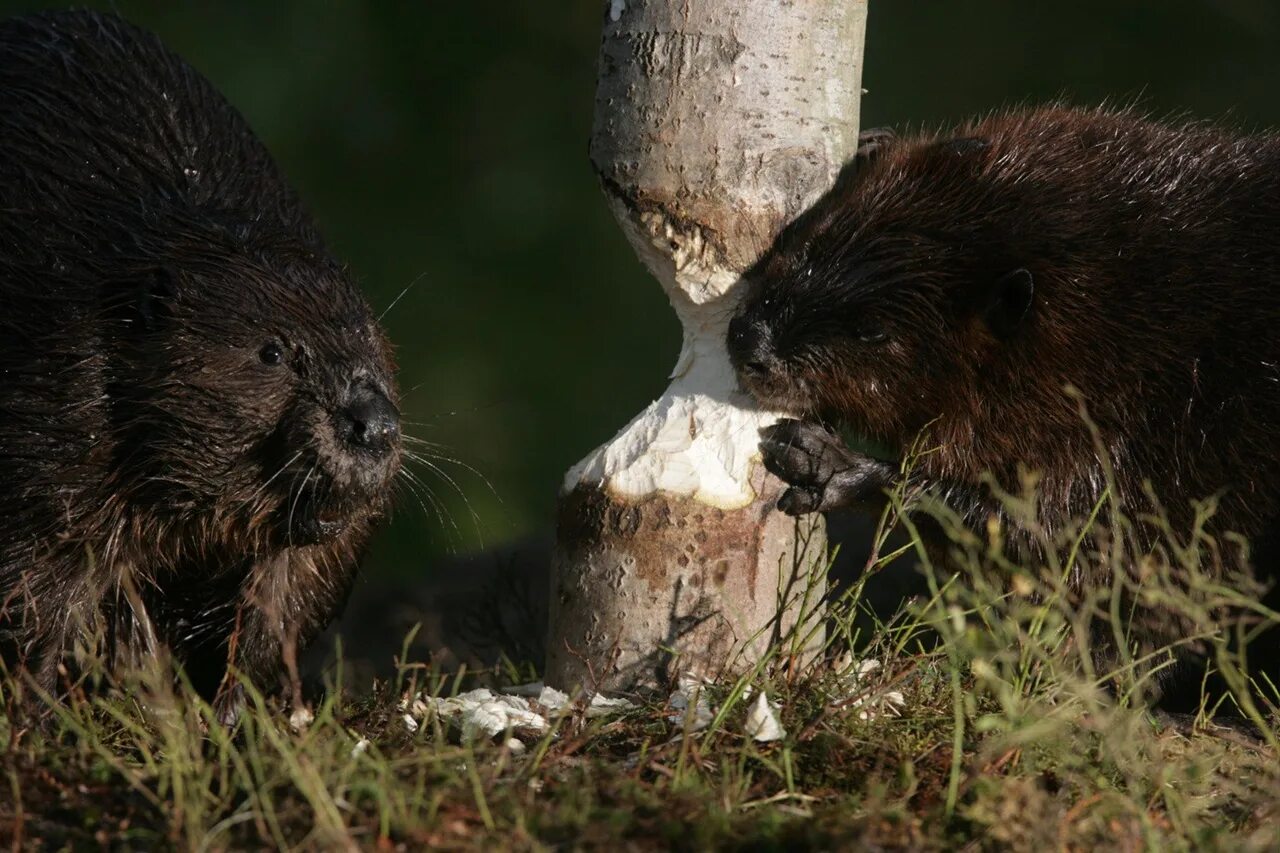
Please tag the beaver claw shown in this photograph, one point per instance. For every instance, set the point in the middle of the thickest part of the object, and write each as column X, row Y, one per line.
column 823, row 474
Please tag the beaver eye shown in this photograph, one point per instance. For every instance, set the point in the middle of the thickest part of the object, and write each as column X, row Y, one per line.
column 271, row 353
column 873, row 336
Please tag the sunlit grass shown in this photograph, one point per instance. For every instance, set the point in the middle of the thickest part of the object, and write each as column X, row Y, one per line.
column 984, row 722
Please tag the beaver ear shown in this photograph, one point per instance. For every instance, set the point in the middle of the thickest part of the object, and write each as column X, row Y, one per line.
column 1006, row 302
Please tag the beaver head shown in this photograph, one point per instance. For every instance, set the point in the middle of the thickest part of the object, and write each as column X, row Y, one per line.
column 883, row 302
column 254, row 392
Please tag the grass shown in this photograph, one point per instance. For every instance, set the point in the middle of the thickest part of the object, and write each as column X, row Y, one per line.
column 1005, row 738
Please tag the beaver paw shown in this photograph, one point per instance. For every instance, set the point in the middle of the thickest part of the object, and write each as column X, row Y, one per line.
column 823, row 474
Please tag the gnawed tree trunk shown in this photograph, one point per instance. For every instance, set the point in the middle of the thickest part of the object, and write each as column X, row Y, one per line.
column 715, row 123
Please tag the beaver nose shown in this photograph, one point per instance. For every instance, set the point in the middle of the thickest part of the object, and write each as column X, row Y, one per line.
column 748, row 346
column 369, row 421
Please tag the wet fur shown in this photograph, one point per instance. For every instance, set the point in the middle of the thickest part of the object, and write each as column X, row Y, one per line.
column 148, row 248
column 1154, row 250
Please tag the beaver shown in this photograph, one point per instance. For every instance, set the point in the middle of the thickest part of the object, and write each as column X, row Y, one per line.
column 198, row 415
column 982, row 286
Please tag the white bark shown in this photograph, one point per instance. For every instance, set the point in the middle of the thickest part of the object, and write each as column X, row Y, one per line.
column 716, row 122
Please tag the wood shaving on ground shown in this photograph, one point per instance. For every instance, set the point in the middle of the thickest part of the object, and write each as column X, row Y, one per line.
column 523, row 711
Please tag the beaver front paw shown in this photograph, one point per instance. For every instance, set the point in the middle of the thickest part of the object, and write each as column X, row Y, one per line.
column 823, row 474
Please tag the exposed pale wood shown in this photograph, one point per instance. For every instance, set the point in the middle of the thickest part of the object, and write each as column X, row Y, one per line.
column 716, row 122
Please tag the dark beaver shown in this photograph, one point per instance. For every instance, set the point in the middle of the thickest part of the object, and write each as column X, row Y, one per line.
column 198, row 418
column 963, row 282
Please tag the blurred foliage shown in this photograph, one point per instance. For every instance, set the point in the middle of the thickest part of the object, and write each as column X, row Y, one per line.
column 442, row 147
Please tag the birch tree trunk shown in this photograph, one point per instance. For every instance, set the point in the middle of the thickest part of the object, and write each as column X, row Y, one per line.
column 715, row 123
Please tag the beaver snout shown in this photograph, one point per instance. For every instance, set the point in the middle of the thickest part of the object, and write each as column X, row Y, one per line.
column 355, row 459
column 763, row 371
column 750, row 348
column 368, row 422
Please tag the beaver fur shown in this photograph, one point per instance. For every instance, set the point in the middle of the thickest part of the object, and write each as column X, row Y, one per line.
column 964, row 282
column 198, row 422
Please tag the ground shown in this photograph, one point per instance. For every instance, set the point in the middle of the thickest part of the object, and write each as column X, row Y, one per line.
column 972, row 719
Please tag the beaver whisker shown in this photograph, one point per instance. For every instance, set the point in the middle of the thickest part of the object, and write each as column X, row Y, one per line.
column 413, row 439
column 407, row 288
column 442, row 511
column 443, row 515
column 440, row 415
column 406, row 484
column 436, row 456
column 435, row 469
column 296, row 498
column 442, row 474
column 272, row 478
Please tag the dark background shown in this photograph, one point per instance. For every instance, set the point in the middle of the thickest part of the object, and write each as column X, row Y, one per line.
column 444, row 144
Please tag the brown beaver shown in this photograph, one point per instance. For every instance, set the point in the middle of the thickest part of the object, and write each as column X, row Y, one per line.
column 962, row 282
column 198, row 417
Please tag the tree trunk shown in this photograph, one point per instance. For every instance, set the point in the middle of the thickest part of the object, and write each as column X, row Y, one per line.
column 715, row 123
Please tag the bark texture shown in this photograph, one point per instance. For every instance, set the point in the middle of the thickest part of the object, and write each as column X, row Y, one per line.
column 715, row 124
